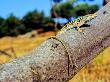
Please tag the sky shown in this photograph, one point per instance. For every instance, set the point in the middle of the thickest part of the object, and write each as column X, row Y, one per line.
column 20, row 7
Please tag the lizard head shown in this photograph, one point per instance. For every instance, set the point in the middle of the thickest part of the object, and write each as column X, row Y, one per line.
column 89, row 17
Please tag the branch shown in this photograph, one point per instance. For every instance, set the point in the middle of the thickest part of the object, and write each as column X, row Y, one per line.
column 5, row 53
column 49, row 62
column 107, row 1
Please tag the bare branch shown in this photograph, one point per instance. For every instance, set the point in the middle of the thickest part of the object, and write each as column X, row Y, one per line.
column 5, row 53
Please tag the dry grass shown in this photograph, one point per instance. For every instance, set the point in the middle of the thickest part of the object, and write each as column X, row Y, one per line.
column 97, row 70
column 20, row 45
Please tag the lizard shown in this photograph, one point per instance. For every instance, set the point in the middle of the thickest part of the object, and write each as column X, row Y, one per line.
column 75, row 23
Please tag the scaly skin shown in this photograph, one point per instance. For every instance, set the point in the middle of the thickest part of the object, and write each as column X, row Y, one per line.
column 76, row 23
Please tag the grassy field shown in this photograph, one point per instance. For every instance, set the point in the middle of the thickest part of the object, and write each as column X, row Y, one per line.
column 98, row 70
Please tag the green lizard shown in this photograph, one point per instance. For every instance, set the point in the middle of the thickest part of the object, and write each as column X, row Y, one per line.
column 75, row 23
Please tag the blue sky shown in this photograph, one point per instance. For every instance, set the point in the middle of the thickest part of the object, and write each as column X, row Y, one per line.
column 21, row 7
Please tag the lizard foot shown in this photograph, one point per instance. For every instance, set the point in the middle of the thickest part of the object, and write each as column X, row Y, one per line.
column 80, row 29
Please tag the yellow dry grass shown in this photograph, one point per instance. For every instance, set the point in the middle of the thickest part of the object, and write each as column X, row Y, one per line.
column 97, row 70
column 21, row 45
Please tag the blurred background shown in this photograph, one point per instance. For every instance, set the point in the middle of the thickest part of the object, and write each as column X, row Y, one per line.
column 25, row 24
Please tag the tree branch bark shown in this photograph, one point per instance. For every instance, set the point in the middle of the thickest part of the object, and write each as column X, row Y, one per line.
column 107, row 1
column 49, row 62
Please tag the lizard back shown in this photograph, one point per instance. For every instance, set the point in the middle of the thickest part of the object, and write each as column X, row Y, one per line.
column 77, row 22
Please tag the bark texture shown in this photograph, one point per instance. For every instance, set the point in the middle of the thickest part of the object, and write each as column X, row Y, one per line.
column 107, row 1
column 50, row 62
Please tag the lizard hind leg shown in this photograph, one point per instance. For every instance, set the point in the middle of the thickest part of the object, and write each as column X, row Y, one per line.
column 80, row 29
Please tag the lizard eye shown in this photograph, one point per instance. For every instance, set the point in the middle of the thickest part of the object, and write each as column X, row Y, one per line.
column 77, row 22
